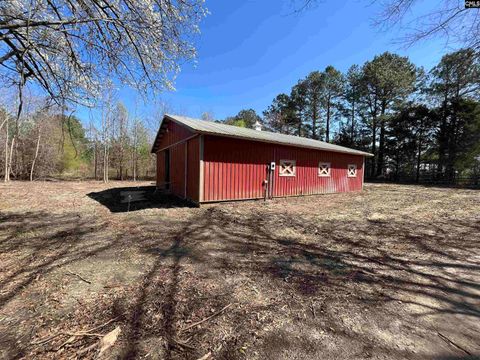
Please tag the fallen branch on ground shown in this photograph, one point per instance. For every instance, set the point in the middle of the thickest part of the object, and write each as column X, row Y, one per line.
column 207, row 318
column 183, row 344
column 79, row 276
column 447, row 340
column 80, row 333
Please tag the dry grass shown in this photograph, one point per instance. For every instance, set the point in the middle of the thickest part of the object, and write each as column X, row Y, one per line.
column 392, row 272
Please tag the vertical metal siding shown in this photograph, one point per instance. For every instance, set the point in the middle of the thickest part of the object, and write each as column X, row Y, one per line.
column 235, row 169
column 160, row 168
column 193, row 169
column 177, row 169
column 174, row 134
column 307, row 181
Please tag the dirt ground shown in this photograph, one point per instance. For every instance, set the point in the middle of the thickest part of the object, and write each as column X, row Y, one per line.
column 392, row 272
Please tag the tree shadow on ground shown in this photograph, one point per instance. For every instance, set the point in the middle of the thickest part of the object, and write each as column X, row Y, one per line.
column 217, row 257
column 126, row 199
column 37, row 250
column 339, row 259
column 46, row 242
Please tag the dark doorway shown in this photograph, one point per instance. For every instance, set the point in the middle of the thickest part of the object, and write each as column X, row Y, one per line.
column 167, row 169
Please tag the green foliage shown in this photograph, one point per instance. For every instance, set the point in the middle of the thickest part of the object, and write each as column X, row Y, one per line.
column 71, row 159
column 390, row 77
column 280, row 116
column 74, row 144
column 403, row 115
column 245, row 118
column 468, row 136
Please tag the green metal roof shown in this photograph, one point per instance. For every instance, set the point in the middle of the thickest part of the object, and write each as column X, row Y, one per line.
column 219, row 129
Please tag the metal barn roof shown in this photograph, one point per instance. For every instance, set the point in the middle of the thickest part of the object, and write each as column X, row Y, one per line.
column 219, row 129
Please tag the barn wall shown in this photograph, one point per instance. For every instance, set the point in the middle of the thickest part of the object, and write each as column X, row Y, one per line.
column 179, row 152
column 160, row 169
column 177, row 169
column 235, row 169
column 193, row 173
column 184, row 150
column 307, row 181
column 174, row 134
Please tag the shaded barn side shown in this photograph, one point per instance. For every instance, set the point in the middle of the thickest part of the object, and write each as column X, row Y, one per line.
column 178, row 161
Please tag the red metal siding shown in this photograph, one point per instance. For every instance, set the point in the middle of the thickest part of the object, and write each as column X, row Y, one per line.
column 177, row 169
column 160, row 168
column 307, row 181
column 174, row 134
column 235, row 169
column 175, row 139
column 193, row 170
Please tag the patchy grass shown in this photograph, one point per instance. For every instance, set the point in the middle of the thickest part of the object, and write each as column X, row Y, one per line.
column 391, row 272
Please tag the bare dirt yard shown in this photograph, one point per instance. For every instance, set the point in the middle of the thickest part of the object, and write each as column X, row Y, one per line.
column 392, row 272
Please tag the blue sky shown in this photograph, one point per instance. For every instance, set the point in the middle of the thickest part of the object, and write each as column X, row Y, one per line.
column 250, row 51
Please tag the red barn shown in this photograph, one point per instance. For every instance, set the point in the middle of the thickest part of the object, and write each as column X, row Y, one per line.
column 205, row 161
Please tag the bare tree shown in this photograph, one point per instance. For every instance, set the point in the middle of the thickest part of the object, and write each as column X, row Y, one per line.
column 3, row 118
column 107, row 129
column 448, row 19
column 93, row 134
column 105, row 140
column 70, row 47
column 208, row 116
column 36, row 152
column 135, row 148
column 120, row 139
column 6, row 168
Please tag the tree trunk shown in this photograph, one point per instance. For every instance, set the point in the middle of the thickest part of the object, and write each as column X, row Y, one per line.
column 95, row 160
column 442, row 138
column 36, row 155
column 4, row 122
column 6, row 178
column 10, row 158
column 452, row 143
column 327, row 129
column 135, row 164
column 374, row 144
column 105, row 163
column 419, row 154
column 381, row 147
column 352, row 129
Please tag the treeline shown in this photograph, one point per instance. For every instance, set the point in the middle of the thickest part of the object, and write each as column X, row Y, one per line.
column 46, row 143
column 419, row 125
